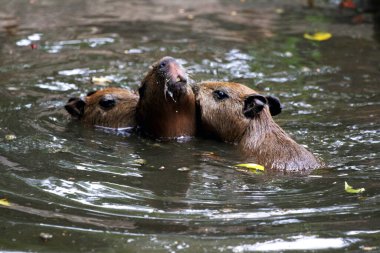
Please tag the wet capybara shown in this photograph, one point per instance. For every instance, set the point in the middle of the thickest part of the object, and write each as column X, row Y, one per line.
column 167, row 103
column 166, row 108
column 237, row 114
column 109, row 107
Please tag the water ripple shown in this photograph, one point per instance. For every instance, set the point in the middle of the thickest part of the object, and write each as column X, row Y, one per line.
column 296, row 243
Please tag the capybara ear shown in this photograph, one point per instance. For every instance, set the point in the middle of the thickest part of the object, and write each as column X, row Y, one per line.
column 253, row 105
column 75, row 106
column 275, row 106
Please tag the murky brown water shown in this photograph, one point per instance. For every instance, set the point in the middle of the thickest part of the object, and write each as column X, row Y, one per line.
column 90, row 189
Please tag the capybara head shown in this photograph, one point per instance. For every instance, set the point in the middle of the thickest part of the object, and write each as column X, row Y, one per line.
column 226, row 109
column 169, row 79
column 110, row 107
column 167, row 104
column 235, row 113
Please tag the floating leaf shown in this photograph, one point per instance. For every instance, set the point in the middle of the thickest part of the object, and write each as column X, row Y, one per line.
column 251, row 166
column 4, row 202
column 104, row 81
column 348, row 188
column 183, row 169
column 10, row 137
column 133, row 51
column 139, row 161
column 45, row 236
column 279, row 11
column 319, row 36
column 368, row 248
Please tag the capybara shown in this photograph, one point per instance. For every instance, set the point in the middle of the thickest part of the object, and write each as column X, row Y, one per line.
column 109, row 107
column 237, row 114
column 165, row 107
column 167, row 103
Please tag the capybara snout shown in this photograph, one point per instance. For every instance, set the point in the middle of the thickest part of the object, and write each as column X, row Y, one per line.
column 171, row 70
column 172, row 76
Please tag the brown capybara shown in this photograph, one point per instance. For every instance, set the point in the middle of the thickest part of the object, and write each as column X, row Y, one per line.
column 166, row 108
column 110, row 107
column 237, row 114
column 167, row 103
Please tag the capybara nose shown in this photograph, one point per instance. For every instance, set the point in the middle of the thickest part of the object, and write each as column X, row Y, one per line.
column 172, row 70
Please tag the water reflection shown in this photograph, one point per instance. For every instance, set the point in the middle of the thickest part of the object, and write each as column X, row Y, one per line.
column 296, row 243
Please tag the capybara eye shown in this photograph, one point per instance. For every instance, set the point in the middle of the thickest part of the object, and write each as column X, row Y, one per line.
column 107, row 101
column 220, row 95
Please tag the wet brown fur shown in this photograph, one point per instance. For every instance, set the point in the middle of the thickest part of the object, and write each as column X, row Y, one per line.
column 259, row 137
column 160, row 115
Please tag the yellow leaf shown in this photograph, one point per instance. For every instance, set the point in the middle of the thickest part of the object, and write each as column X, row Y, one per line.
column 10, row 137
column 4, row 202
column 348, row 188
column 319, row 36
column 279, row 11
column 251, row 166
column 100, row 80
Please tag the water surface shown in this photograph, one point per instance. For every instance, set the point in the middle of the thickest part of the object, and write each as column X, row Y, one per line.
column 113, row 192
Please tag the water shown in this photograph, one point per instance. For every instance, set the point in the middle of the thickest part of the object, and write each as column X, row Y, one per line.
column 100, row 191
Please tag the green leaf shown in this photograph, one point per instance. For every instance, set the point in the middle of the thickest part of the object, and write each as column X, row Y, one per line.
column 348, row 188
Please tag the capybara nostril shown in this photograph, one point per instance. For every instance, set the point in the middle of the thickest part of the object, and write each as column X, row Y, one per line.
column 163, row 64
